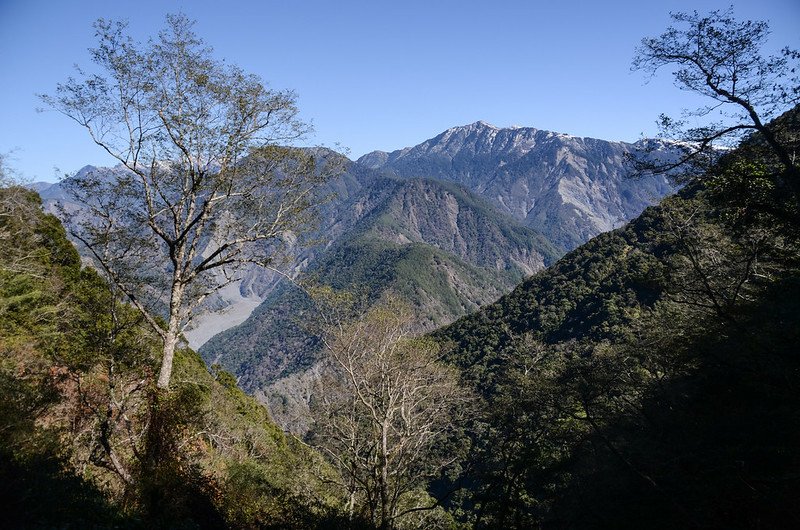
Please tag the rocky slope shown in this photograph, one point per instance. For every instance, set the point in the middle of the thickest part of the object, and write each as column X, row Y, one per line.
column 568, row 188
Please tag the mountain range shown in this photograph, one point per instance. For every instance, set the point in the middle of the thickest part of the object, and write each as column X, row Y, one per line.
column 443, row 249
column 450, row 224
column 568, row 188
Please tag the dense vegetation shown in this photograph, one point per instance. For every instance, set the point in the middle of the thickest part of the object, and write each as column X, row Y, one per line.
column 87, row 440
column 648, row 379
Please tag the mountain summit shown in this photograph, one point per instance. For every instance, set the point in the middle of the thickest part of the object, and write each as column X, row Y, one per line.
column 567, row 187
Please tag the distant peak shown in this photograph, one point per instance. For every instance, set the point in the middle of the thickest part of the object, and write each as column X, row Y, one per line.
column 478, row 126
column 482, row 125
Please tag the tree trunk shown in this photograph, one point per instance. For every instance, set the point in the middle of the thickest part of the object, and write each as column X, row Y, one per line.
column 164, row 375
column 105, row 442
column 106, row 430
column 384, row 486
column 171, row 337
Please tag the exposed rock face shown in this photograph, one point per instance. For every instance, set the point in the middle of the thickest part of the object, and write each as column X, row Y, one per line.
column 568, row 188
column 453, row 220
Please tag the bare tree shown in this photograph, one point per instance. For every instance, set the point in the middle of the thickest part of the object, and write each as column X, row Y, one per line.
column 386, row 406
column 203, row 188
column 721, row 58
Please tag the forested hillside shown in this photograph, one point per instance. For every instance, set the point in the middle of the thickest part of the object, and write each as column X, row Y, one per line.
column 87, row 441
column 648, row 379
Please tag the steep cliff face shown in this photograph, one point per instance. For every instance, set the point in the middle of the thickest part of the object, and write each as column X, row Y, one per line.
column 452, row 219
column 568, row 188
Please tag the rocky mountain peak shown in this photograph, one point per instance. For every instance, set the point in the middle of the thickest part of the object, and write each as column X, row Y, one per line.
column 479, row 125
column 569, row 188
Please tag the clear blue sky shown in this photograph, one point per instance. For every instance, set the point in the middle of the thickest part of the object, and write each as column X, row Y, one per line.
column 374, row 74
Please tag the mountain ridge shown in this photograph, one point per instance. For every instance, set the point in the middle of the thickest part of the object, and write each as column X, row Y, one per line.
column 447, row 270
column 569, row 188
column 443, row 206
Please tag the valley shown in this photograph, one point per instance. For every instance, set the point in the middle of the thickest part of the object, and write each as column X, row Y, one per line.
column 227, row 325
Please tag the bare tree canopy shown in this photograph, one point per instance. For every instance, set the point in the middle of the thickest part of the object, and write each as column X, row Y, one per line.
column 721, row 58
column 204, row 185
column 385, row 410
